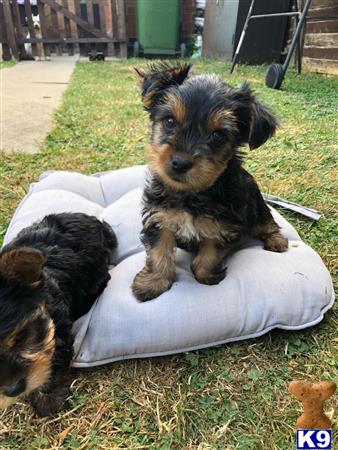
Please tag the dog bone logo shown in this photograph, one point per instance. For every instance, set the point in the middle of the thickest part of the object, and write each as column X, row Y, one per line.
column 312, row 396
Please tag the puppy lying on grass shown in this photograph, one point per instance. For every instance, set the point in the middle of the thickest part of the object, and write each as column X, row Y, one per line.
column 50, row 275
column 198, row 196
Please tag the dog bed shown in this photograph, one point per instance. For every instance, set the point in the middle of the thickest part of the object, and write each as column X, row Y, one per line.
column 262, row 290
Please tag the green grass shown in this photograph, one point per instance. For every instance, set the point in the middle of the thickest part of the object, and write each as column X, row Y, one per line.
column 4, row 64
column 232, row 397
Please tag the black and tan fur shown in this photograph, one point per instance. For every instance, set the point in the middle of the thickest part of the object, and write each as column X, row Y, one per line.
column 50, row 275
column 198, row 196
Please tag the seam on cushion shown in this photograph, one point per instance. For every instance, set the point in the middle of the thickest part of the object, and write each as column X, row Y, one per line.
column 97, row 205
column 79, row 364
column 122, row 195
column 102, row 191
column 46, row 174
column 100, row 174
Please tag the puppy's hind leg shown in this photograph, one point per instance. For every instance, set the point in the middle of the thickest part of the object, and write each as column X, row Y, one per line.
column 272, row 238
column 208, row 265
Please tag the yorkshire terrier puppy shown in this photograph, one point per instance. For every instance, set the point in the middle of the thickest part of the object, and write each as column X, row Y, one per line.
column 198, row 196
column 50, row 275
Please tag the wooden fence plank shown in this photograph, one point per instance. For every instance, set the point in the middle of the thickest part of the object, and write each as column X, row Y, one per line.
column 102, row 20
column 322, row 65
column 3, row 34
column 19, row 32
column 83, row 24
column 68, row 32
column 73, row 25
column 90, row 18
column 55, row 31
column 114, row 23
column 86, row 40
column 6, row 53
column 10, row 29
column 61, row 27
column 30, row 24
column 322, row 26
column 320, row 52
column 90, row 12
column 43, row 25
column 106, row 21
column 322, row 3
column 121, row 27
column 324, row 12
column 102, row 16
column 324, row 40
column 81, row 33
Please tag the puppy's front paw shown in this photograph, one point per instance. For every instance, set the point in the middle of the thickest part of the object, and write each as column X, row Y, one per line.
column 48, row 404
column 148, row 285
column 206, row 277
column 276, row 243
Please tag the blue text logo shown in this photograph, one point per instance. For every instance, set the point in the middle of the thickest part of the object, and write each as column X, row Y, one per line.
column 313, row 439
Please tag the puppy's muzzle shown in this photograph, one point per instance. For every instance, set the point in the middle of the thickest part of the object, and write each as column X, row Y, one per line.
column 180, row 165
column 15, row 389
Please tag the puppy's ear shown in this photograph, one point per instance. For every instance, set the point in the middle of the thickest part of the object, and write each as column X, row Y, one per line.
column 23, row 264
column 159, row 78
column 256, row 121
column 263, row 124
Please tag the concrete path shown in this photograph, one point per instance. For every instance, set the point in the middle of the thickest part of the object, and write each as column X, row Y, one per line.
column 30, row 93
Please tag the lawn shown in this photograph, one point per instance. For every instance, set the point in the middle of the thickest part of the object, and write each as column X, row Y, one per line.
column 231, row 397
column 5, row 64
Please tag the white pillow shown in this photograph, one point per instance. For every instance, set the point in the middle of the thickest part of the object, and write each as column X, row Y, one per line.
column 262, row 290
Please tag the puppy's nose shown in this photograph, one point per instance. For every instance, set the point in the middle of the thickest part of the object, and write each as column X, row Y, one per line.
column 180, row 165
column 15, row 389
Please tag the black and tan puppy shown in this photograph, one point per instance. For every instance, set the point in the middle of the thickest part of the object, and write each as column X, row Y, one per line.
column 50, row 275
column 199, row 197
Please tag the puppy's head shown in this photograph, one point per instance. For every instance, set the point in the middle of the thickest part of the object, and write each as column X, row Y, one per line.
column 36, row 23
column 198, row 123
column 26, row 330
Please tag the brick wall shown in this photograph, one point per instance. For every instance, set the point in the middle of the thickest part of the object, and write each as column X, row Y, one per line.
column 189, row 10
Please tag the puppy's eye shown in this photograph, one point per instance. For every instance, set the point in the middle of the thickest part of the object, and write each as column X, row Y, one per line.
column 217, row 136
column 169, row 123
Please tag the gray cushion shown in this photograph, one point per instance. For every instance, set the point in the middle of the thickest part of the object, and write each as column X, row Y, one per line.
column 262, row 290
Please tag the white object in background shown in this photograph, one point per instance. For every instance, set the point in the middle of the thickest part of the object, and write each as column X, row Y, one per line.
column 198, row 48
column 303, row 210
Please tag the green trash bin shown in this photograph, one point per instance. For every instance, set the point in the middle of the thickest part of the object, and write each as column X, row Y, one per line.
column 158, row 24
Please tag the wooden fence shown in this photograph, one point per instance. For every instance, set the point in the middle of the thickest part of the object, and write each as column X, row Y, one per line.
column 321, row 38
column 66, row 26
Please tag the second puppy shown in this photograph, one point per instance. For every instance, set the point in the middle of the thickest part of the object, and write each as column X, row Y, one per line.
column 50, row 275
column 199, row 197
